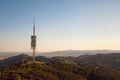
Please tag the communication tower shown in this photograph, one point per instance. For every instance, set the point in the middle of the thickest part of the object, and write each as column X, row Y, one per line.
column 33, row 41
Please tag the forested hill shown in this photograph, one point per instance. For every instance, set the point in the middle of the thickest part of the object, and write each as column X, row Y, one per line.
column 109, row 60
column 86, row 67
column 56, row 70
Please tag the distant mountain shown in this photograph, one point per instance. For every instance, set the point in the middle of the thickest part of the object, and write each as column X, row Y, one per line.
column 63, row 53
column 2, row 57
column 76, row 53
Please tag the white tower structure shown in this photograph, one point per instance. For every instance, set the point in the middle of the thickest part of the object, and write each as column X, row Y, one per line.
column 33, row 41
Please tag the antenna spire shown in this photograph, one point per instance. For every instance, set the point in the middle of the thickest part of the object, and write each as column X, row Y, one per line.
column 34, row 27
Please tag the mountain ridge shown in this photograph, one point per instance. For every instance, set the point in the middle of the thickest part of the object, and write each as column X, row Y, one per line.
column 112, row 60
column 65, row 53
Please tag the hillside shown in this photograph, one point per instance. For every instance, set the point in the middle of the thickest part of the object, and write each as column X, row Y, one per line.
column 111, row 60
column 56, row 70
column 105, row 60
column 85, row 67
column 15, row 59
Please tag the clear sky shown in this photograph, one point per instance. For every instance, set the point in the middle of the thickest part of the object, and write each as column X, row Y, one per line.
column 60, row 24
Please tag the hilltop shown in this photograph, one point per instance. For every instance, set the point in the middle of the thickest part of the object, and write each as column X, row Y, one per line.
column 56, row 70
column 85, row 67
column 109, row 60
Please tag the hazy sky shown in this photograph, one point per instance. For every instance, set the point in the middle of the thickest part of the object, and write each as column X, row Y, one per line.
column 60, row 24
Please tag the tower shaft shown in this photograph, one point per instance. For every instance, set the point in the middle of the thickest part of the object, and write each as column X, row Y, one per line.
column 33, row 54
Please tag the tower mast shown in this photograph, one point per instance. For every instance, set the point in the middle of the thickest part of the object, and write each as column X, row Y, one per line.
column 33, row 41
column 34, row 26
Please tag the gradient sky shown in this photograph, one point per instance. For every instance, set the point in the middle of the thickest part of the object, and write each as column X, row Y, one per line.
column 60, row 24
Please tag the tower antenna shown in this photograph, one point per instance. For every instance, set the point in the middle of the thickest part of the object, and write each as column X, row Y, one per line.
column 33, row 41
column 34, row 27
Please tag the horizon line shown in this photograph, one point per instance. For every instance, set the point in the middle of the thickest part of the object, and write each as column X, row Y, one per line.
column 63, row 50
